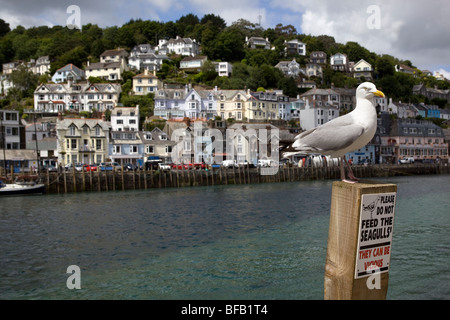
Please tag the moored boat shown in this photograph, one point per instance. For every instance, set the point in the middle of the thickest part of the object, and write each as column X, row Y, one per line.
column 23, row 185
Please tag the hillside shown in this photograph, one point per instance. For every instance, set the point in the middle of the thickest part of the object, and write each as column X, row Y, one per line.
column 252, row 68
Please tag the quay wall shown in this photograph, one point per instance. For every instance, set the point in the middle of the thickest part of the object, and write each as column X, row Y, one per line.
column 72, row 181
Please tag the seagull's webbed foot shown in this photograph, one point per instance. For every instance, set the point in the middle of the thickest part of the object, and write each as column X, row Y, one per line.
column 351, row 176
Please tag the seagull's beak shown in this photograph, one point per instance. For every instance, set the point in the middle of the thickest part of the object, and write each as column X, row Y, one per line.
column 379, row 93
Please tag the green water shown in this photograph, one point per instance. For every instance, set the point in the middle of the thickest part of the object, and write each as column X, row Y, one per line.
column 265, row 241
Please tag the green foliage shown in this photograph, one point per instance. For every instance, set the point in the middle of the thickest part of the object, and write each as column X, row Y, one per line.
column 252, row 69
column 24, row 83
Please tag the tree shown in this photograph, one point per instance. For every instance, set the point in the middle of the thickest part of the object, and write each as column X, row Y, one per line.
column 285, row 31
column 25, row 81
column 385, row 66
column 4, row 28
column 77, row 56
column 216, row 21
column 229, row 46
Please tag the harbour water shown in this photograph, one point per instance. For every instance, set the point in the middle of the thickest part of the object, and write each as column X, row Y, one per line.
column 262, row 241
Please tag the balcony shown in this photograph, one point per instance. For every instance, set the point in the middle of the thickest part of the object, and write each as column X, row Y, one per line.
column 86, row 148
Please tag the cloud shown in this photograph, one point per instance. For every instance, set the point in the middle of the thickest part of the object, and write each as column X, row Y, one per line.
column 414, row 30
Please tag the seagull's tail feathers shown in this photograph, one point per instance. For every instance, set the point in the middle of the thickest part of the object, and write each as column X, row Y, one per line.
column 298, row 147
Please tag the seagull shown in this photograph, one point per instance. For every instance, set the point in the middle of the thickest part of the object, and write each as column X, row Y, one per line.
column 343, row 134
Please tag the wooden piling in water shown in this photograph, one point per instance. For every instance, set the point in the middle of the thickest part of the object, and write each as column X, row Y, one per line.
column 346, row 250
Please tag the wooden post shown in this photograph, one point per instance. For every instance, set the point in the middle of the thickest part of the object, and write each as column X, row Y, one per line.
column 359, row 241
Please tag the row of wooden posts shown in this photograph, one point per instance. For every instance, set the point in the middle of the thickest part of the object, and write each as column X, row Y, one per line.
column 74, row 181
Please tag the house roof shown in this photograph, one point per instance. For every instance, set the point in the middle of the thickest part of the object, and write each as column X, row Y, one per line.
column 79, row 123
column 103, row 65
column 72, row 68
column 114, row 52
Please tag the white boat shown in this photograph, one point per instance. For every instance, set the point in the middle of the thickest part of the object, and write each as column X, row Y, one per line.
column 23, row 185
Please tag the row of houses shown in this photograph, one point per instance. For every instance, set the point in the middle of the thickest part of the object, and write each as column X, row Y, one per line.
column 73, row 140
column 199, row 103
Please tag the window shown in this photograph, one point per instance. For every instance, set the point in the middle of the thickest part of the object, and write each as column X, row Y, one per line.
column 73, row 143
column 149, row 149
column 98, row 144
column 163, row 137
column 97, row 130
column 133, row 149
column 187, row 145
column 116, row 149
column 168, row 149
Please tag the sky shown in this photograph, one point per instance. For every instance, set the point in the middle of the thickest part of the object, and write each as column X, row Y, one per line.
column 415, row 30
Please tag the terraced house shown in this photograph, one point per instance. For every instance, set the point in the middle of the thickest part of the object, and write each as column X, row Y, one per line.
column 54, row 98
column 187, row 102
column 82, row 140
column 412, row 138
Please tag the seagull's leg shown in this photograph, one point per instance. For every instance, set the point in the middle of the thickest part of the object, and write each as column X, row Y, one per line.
column 342, row 170
column 351, row 176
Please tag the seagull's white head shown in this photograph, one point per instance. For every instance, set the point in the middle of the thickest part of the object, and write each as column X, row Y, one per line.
column 367, row 90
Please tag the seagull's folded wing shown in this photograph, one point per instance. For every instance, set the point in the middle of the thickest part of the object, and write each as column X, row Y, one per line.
column 330, row 137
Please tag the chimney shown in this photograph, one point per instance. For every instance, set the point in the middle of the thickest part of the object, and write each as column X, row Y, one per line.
column 103, row 116
column 187, row 121
column 60, row 116
column 146, row 72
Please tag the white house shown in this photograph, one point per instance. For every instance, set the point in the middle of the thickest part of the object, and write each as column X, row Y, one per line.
column 224, row 69
column 10, row 127
column 145, row 57
column 40, row 66
column 257, row 43
column 125, row 119
column 312, row 116
column 289, row 68
column 193, row 62
column 339, row 62
column 5, row 84
column 182, row 46
column 295, row 47
column 54, row 98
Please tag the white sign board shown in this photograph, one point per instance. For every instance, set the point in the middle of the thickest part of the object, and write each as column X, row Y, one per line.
column 375, row 233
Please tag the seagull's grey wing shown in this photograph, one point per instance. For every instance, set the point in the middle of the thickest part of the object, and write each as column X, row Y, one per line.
column 329, row 137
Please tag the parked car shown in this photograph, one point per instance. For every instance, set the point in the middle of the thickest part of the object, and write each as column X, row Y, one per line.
column 163, row 166
column 90, row 167
column 77, row 166
column 199, row 166
column 109, row 166
column 247, row 164
column 49, row 168
column 229, row 163
column 130, row 167
column 180, row 166
column 407, row 160
column 263, row 163
column 364, row 162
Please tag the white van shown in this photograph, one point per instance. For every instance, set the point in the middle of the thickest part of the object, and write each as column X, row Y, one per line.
column 264, row 163
column 229, row 163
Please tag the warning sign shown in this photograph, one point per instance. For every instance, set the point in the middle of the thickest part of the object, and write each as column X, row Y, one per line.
column 375, row 233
